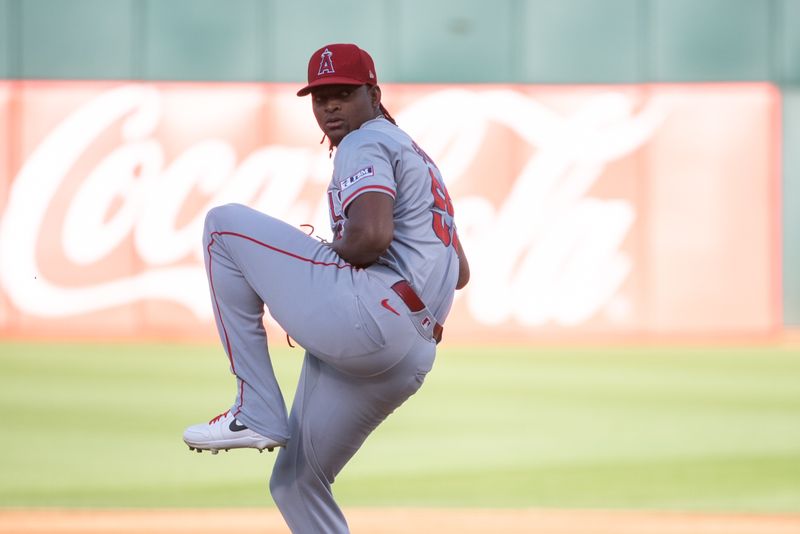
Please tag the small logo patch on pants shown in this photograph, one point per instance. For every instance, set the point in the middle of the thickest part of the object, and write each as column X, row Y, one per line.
column 385, row 304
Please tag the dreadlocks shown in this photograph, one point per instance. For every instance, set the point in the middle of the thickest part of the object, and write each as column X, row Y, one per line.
column 386, row 115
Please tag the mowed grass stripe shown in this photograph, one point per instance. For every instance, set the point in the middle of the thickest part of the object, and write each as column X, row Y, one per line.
column 710, row 428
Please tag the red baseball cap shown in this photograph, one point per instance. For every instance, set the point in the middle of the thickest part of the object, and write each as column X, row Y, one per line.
column 339, row 64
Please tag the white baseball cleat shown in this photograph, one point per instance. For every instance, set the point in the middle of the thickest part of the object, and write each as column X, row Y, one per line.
column 225, row 432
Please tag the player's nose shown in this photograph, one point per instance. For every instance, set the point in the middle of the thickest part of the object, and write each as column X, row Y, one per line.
column 332, row 104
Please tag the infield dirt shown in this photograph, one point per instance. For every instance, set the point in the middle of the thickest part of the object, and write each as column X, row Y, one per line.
column 396, row 521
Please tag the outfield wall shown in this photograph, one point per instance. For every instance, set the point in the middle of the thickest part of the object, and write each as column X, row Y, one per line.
column 566, row 42
column 649, row 209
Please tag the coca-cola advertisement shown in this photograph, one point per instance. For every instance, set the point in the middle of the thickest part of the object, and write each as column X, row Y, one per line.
column 646, row 210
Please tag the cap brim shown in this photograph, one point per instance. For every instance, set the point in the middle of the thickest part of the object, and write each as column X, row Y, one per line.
column 329, row 80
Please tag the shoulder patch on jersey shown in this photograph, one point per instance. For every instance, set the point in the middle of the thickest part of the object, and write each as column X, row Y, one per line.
column 363, row 173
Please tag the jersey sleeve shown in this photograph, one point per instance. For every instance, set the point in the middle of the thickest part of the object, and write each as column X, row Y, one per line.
column 363, row 165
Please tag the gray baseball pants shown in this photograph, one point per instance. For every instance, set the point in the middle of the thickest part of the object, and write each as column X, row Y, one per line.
column 364, row 355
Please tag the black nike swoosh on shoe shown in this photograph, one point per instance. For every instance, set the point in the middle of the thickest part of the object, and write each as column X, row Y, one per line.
column 236, row 426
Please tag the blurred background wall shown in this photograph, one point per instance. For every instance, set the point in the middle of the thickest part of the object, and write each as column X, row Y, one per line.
column 419, row 41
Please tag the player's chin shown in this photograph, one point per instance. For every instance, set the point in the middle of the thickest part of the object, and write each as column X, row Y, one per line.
column 336, row 135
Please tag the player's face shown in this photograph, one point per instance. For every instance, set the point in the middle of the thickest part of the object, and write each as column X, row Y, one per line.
column 340, row 109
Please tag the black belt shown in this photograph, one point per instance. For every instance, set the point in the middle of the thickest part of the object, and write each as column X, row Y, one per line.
column 415, row 304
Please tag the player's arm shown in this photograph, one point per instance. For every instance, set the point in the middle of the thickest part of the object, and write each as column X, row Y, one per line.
column 463, row 266
column 369, row 230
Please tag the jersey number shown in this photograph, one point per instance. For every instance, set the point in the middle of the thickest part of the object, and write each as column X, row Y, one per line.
column 442, row 212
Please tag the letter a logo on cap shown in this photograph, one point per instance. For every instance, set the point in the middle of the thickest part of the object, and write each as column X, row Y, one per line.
column 326, row 63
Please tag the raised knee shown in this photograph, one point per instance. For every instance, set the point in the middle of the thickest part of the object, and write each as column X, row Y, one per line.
column 218, row 216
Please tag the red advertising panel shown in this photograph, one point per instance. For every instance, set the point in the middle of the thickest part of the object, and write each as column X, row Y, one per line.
column 6, row 171
column 585, row 211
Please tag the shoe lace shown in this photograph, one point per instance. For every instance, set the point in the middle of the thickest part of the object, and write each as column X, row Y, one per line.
column 220, row 416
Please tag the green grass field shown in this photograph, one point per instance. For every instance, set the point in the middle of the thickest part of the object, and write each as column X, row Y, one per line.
column 689, row 429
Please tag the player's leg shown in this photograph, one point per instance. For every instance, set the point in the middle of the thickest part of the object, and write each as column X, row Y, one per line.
column 238, row 313
column 252, row 259
column 332, row 415
column 330, row 308
column 235, row 263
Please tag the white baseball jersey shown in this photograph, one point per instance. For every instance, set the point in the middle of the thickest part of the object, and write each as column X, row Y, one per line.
column 380, row 157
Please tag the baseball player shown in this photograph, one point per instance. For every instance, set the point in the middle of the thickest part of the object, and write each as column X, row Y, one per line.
column 368, row 307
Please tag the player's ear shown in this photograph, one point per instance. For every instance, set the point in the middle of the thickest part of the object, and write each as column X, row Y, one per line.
column 375, row 96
